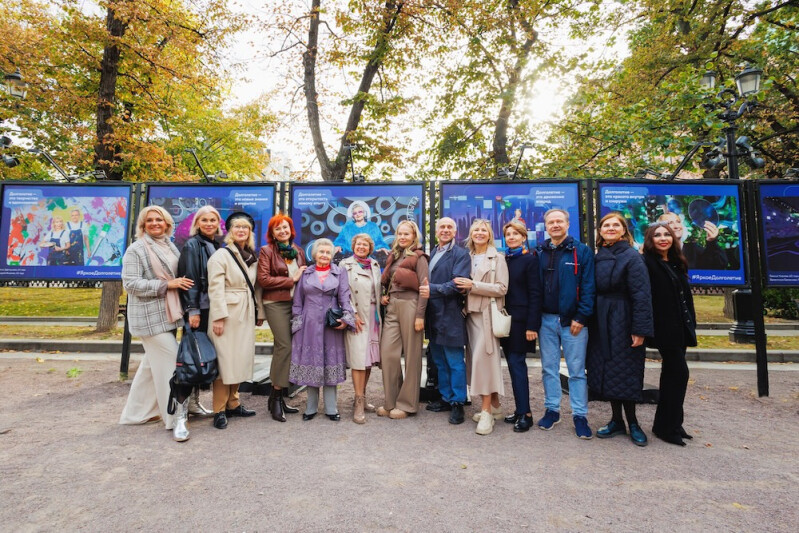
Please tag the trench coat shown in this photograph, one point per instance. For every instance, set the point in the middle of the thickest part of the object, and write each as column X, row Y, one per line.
column 623, row 308
column 364, row 286
column 318, row 357
column 230, row 299
column 482, row 354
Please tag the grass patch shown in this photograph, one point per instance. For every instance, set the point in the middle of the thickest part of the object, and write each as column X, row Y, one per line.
column 15, row 301
column 718, row 342
column 22, row 331
column 711, row 309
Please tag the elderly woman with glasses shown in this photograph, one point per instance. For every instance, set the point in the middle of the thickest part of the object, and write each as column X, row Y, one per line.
column 318, row 356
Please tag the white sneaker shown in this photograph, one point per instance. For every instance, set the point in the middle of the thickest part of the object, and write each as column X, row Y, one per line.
column 496, row 411
column 486, row 423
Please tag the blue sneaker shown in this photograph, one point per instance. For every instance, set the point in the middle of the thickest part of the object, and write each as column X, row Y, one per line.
column 637, row 435
column 581, row 428
column 549, row 420
column 611, row 429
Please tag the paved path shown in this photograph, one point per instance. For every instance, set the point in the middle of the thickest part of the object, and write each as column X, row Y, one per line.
column 66, row 465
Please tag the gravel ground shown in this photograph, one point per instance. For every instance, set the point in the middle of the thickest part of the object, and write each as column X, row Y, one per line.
column 66, row 465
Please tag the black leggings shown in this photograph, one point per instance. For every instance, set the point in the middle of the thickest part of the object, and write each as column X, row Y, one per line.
column 629, row 411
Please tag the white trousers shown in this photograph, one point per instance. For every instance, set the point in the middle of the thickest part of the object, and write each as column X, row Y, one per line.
column 149, row 392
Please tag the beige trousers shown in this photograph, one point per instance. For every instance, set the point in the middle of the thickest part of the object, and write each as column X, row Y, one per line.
column 149, row 392
column 225, row 396
column 278, row 316
column 400, row 337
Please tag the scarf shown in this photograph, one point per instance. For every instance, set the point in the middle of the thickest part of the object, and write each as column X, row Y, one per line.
column 247, row 255
column 287, row 251
column 322, row 269
column 513, row 252
column 174, row 311
column 365, row 263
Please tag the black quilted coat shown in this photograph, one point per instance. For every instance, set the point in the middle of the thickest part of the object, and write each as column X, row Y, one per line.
column 623, row 308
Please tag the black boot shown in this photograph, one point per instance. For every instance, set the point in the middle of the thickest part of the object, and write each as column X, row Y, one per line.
column 287, row 409
column 276, row 406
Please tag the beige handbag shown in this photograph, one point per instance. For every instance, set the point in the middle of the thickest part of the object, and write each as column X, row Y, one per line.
column 500, row 319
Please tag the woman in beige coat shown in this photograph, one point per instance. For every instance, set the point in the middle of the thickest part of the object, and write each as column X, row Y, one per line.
column 489, row 280
column 363, row 344
column 236, row 308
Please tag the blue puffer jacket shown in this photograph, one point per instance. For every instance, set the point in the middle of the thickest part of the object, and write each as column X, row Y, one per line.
column 575, row 279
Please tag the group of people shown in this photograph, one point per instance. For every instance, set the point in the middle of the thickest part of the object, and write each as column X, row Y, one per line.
column 594, row 308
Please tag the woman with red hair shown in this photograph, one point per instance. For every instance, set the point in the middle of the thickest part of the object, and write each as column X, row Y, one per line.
column 280, row 265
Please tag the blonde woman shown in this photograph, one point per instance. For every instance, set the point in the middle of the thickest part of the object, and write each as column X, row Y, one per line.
column 154, row 313
column 235, row 307
column 489, row 280
column 403, row 327
column 193, row 264
column 363, row 344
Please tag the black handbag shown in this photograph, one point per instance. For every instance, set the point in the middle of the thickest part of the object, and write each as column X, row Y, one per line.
column 196, row 363
column 332, row 316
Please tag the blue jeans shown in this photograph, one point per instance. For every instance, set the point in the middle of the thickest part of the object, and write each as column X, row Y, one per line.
column 551, row 337
column 517, row 367
column 451, row 367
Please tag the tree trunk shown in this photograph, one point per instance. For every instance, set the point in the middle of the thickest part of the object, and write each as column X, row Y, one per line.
column 728, row 304
column 337, row 170
column 105, row 152
column 109, row 306
column 500, row 145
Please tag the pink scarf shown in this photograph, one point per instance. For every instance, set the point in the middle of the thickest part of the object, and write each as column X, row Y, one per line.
column 174, row 311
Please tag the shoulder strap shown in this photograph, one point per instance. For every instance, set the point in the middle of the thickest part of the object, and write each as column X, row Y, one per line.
column 246, row 278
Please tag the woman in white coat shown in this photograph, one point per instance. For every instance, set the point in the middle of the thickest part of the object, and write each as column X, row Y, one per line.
column 363, row 344
column 236, row 308
column 489, row 280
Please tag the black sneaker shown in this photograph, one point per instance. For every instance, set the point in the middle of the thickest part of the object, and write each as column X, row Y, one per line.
column 439, row 406
column 220, row 421
column 456, row 414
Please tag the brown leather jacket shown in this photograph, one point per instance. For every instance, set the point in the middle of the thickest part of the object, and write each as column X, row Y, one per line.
column 273, row 273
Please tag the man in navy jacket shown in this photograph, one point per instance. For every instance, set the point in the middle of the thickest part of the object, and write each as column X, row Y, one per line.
column 445, row 324
column 567, row 277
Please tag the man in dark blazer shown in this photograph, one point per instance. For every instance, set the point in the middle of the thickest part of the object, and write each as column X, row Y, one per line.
column 445, row 325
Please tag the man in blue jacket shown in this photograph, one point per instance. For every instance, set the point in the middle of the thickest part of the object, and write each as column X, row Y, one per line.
column 567, row 277
column 445, row 324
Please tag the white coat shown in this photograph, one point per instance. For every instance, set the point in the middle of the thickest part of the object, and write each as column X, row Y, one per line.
column 364, row 285
column 230, row 299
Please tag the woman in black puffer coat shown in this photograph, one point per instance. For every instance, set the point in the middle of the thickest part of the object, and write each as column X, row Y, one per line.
column 623, row 318
column 675, row 327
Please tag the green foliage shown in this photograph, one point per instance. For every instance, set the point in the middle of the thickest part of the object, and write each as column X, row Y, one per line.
column 170, row 90
column 648, row 110
column 74, row 372
column 782, row 303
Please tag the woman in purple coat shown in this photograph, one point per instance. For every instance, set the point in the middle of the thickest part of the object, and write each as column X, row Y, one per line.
column 318, row 356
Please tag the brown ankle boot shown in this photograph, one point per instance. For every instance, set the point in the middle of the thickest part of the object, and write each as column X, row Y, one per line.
column 358, row 416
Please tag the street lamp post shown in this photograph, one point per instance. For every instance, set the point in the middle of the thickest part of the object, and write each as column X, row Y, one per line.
column 747, row 303
column 218, row 175
column 15, row 85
